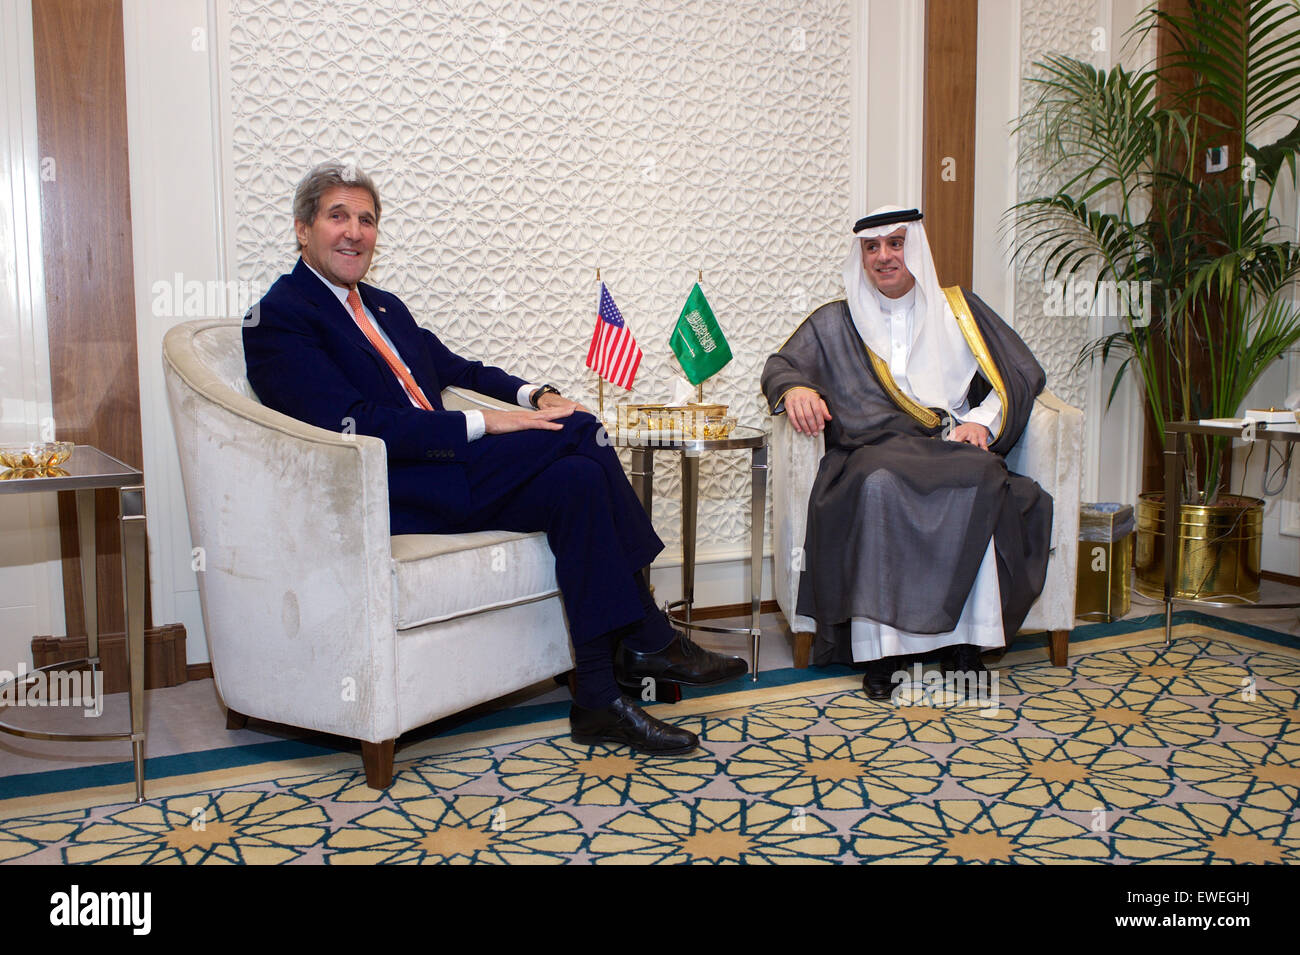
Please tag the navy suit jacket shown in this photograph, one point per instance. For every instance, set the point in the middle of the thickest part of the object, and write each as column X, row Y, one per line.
column 307, row 358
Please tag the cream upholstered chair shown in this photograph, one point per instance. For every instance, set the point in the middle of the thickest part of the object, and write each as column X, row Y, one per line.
column 316, row 617
column 1049, row 452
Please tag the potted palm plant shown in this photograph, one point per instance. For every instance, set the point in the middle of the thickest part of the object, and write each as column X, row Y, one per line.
column 1161, row 183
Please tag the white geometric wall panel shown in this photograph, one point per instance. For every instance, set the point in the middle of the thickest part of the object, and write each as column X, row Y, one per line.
column 1065, row 27
column 518, row 146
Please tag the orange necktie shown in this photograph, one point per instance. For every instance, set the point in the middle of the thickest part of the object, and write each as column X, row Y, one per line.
column 372, row 335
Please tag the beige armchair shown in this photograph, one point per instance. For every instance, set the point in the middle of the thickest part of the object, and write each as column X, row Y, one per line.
column 1049, row 452
column 315, row 616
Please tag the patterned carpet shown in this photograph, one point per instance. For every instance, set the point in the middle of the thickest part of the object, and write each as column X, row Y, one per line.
column 1132, row 754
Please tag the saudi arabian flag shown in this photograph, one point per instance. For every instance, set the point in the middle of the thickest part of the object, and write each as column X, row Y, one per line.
column 697, row 341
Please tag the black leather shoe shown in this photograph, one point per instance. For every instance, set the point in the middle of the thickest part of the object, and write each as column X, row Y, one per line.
column 876, row 681
column 682, row 661
column 966, row 659
column 625, row 722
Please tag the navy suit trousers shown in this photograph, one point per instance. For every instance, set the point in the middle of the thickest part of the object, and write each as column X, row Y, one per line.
column 572, row 486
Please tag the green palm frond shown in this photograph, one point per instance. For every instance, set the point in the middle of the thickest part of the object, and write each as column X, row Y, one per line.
column 1270, row 159
column 1071, row 236
column 1102, row 124
column 1125, row 197
column 1243, row 57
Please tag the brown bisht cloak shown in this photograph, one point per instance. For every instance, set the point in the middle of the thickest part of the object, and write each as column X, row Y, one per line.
column 899, row 519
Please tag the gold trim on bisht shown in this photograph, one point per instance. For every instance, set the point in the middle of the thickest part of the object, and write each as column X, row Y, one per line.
column 922, row 414
column 808, row 316
column 971, row 332
column 787, row 341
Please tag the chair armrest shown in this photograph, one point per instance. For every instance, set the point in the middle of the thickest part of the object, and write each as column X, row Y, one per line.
column 794, row 459
column 1050, row 452
column 296, row 567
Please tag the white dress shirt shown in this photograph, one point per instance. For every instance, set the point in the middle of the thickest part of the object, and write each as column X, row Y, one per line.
column 900, row 312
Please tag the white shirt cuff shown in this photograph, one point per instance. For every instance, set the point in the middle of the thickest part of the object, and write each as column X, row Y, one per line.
column 475, row 426
column 989, row 414
column 525, row 392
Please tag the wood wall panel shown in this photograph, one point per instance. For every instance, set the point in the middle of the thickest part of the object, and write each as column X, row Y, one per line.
column 89, row 279
column 1174, row 82
column 949, row 136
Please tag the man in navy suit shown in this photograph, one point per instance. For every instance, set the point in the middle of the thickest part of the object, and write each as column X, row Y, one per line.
column 331, row 351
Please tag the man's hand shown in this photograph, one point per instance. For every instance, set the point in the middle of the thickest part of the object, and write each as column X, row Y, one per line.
column 971, row 433
column 808, row 413
column 502, row 422
column 551, row 400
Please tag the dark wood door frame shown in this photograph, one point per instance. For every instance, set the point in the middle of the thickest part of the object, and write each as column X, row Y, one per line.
column 948, row 153
column 89, row 273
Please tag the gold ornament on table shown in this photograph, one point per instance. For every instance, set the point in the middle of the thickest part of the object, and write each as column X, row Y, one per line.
column 689, row 421
column 35, row 459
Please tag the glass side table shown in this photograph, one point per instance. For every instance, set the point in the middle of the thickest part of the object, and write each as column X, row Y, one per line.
column 1175, row 439
column 643, row 445
column 88, row 469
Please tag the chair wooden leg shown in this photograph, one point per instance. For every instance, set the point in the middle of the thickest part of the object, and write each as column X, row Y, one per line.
column 235, row 721
column 569, row 678
column 802, row 649
column 1060, row 647
column 378, row 761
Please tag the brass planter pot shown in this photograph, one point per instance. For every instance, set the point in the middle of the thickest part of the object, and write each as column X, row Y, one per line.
column 1219, row 549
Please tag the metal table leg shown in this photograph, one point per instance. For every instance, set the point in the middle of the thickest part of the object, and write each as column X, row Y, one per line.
column 89, row 565
column 757, row 512
column 131, row 503
column 690, row 500
column 643, row 474
column 1173, row 515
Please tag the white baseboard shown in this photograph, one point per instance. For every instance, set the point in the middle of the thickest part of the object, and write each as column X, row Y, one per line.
column 721, row 577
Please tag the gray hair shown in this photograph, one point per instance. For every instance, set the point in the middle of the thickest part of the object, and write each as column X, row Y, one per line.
column 327, row 175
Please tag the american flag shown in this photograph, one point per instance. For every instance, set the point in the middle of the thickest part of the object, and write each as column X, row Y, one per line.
column 614, row 353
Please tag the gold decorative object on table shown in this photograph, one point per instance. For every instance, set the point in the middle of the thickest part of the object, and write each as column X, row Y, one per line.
column 629, row 416
column 686, row 421
column 35, row 459
column 22, row 474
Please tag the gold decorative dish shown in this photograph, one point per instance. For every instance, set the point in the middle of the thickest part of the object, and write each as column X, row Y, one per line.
column 41, row 455
column 687, row 421
column 22, row 474
column 633, row 416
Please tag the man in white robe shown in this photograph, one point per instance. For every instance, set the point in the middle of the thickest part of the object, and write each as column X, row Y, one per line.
column 937, row 366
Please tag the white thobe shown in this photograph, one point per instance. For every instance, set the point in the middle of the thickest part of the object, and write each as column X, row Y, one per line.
column 980, row 622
